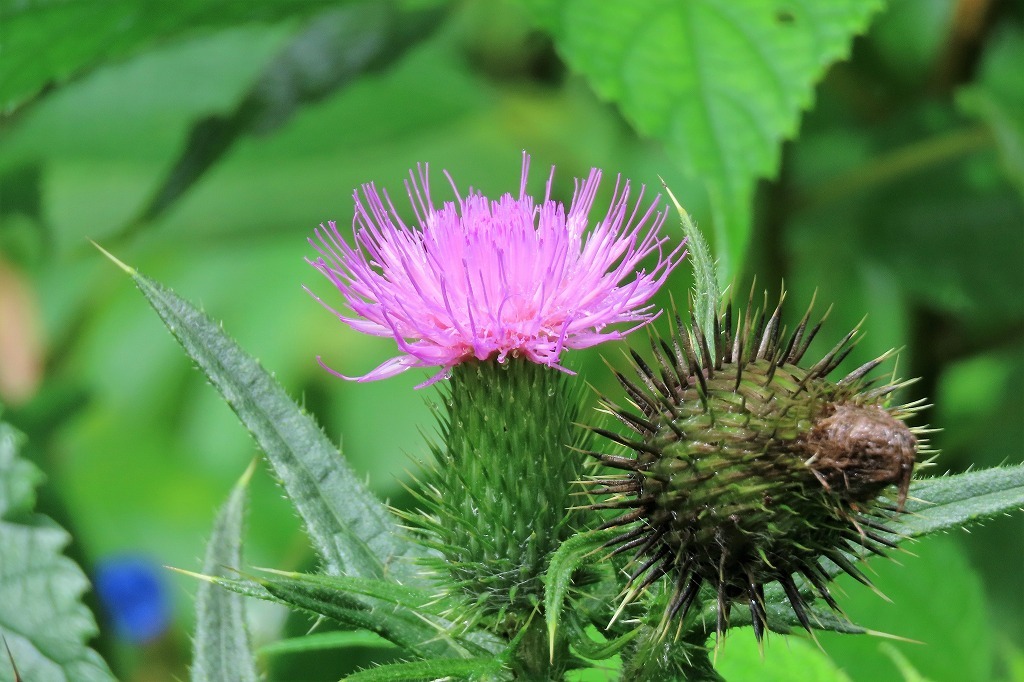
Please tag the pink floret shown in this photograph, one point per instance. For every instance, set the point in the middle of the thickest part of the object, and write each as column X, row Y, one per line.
column 492, row 279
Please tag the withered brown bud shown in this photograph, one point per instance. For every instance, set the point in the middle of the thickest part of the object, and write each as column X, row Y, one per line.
column 859, row 450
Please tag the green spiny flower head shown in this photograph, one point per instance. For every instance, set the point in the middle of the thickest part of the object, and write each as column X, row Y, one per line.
column 751, row 465
column 493, row 292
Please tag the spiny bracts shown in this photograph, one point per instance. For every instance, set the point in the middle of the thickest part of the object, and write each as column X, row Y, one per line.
column 749, row 468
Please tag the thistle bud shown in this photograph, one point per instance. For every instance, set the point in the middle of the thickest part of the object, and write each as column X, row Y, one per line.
column 752, row 466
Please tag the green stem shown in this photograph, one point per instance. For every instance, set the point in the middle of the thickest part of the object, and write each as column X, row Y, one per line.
column 500, row 495
column 895, row 165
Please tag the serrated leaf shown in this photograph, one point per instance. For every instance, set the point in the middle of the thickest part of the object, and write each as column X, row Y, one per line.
column 78, row 35
column 329, row 53
column 438, row 669
column 319, row 641
column 222, row 648
column 707, row 294
column 400, row 615
column 720, row 82
column 350, row 529
column 42, row 618
column 558, row 577
column 937, row 504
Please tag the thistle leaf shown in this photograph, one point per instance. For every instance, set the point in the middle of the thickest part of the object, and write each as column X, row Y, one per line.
column 398, row 614
column 42, row 619
column 222, row 648
column 707, row 294
column 440, row 668
column 948, row 502
column 350, row 529
column 567, row 558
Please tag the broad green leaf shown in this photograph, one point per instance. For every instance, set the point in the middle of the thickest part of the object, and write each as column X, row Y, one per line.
column 783, row 659
column 997, row 98
column 437, row 669
column 720, row 82
column 222, row 648
column 935, row 599
column 350, row 529
column 47, row 43
column 42, row 618
column 332, row 51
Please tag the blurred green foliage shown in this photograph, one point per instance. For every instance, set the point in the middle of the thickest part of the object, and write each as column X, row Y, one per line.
column 203, row 142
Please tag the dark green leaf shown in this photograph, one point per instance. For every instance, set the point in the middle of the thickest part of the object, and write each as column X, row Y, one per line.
column 349, row 527
column 441, row 668
column 47, row 43
column 997, row 98
column 42, row 619
column 329, row 54
column 222, row 648
column 318, row 641
column 401, row 616
column 721, row 82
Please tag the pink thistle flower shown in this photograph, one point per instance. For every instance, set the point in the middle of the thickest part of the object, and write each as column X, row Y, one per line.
column 483, row 279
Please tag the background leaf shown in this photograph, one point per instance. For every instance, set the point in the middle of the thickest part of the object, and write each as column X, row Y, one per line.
column 43, row 620
column 222, row 648
column 116, row 29
column 720, row 82
column 329, row 53
column 997, row 98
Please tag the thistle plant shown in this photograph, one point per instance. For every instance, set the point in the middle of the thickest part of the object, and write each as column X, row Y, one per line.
column 494, row 292
column 741, row 479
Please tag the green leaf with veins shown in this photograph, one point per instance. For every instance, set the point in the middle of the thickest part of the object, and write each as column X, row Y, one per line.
column 42, row 619
column 720, row 82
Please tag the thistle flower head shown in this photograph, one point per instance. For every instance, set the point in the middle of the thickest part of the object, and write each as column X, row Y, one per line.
column 481, row 278
column 752, row 467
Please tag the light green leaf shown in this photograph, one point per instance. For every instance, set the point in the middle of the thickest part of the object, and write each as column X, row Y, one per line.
column 47, row 43
column 438, row 669
column 782, row 660
column 42, row 618
column 349, row 527
column 720, row 82
column 222, row 648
